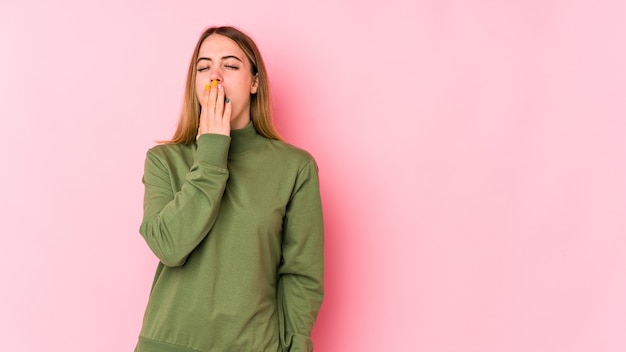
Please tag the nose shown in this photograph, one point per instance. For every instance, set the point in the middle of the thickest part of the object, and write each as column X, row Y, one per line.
column 216, row 74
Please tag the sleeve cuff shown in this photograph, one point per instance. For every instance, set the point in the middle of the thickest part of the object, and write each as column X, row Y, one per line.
column 213, row 149
column 298, row 343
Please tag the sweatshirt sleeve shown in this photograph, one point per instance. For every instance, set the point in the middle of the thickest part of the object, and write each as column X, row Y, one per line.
column 175, row 223
column 301, row 281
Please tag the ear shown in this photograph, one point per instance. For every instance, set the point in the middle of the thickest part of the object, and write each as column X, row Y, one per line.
column 255, row 84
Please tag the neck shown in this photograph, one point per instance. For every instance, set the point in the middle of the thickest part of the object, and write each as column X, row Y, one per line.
column 242, row 119
column 239, row 122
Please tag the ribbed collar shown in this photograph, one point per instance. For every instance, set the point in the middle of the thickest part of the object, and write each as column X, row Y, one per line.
column 244, row 139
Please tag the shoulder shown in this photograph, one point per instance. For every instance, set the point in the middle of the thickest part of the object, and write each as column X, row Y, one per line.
column 170, row 156
column 169, row 151
column 165, row 149
column 291, row 154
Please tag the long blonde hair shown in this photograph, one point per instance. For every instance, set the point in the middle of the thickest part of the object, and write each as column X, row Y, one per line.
column 260, row 106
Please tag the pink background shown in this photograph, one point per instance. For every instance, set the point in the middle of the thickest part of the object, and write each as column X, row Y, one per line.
column 471, row 156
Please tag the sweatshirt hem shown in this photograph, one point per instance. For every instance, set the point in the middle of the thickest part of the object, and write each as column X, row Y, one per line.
column 149, row 345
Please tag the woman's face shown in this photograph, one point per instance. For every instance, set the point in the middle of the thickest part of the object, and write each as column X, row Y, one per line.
column 221, row 59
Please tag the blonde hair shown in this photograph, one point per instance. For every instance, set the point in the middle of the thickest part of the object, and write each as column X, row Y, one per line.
column 260, row 106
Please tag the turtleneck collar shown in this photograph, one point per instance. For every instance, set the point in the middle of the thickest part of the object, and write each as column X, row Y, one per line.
column 244, row 139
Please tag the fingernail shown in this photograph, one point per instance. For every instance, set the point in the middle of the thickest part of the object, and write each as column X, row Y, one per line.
column 219, row 86
column 227, row 100
column 214, row 83
column 207, row 86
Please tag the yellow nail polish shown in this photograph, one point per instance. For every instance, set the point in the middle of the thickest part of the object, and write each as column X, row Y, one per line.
column 214, row 83
column 206, row 86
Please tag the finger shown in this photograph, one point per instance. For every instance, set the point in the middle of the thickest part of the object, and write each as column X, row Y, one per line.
column 205, row 97
column 228, row 108
column 204, row 102
column 212, row 98
column 204, row 109
column 219, row 104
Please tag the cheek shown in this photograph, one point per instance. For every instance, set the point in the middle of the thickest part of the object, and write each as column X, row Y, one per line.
column 239, row 91
column 199, row 91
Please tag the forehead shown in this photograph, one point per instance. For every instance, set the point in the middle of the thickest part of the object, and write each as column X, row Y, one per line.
column 215, row 46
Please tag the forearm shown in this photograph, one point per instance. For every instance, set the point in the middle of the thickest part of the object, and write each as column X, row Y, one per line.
column 175, row 223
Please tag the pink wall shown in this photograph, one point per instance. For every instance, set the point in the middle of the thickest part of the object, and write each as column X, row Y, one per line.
column 471, row 155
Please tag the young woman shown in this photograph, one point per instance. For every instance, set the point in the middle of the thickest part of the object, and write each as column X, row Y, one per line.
column 233, row 214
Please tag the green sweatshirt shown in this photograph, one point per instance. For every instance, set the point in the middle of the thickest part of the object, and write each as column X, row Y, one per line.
column 236, row 223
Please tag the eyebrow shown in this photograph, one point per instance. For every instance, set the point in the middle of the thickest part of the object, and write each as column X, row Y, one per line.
column 223, row 58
